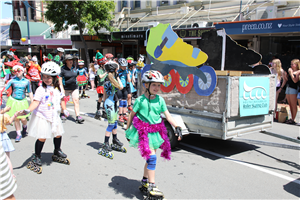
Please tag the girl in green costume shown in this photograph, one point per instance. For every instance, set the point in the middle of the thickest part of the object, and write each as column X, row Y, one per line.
column 147, row 131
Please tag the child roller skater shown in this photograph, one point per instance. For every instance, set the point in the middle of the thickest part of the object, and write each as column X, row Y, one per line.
column 45, row 121
column 17, row 101
column 124, row 76
column 148, row 131
column 101, row 75
column 110, row 105
column 82, row 78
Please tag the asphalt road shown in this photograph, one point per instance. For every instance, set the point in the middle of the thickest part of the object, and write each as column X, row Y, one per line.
column 255, row 166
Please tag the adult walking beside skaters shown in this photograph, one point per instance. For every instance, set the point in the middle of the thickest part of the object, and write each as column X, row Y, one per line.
column 68, row 86
column 291, row 89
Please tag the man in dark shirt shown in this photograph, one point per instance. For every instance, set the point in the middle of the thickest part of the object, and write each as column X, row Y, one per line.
column 68, row 84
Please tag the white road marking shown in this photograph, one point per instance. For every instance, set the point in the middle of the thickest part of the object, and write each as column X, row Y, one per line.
column 243, row 163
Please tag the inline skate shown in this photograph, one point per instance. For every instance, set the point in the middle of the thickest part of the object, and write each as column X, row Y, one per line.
column 98, row 115
column 144, row 186
column 121, row 121
column 154, row 193
column 104, row 115
column 118, row 146
column 35, row 164
column 79, row 120
column 105, row 151
column 59, row 156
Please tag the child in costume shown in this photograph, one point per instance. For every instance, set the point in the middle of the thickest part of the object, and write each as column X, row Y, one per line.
column 33, row 74
column 45, row 121
column 148, row 131
column 101, row 75
column 124, row 76
column 132, row 84
column 17, row 101
column 82, row 77
column 111, row 86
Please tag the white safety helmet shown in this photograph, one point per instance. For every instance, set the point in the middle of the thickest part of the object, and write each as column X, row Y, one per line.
column 59, row 49
column 51, row 68
column 123, row 62
column 34, row 59
column 152, row 76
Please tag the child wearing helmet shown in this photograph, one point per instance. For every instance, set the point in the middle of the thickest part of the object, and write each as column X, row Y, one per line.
column 82, row 77
column 58, row 57
column 17, row 100
column 101, row 75
column 146, row 129
column 111, row 86
column 132, row 83
column 124, row 76
column 45, row 121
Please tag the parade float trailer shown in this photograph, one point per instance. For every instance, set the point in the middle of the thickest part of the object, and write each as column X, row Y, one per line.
column 225, row 97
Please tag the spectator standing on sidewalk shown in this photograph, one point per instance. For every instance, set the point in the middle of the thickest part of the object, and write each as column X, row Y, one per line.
column 291, row 90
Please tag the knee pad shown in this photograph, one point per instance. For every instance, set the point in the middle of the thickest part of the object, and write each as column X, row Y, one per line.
column 121, row 103
column 110, row 127
column 152, row 162
column 124, row 103
column 115, row 125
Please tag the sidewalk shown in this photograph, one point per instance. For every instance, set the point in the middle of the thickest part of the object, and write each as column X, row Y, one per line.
column 297, row 119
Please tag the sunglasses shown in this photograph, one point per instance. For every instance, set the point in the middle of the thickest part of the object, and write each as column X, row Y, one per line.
column 18, row 70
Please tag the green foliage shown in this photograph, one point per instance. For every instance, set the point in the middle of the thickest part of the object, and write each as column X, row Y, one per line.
column 92, row 15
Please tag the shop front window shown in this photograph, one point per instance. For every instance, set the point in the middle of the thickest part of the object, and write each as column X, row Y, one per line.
column 284, row 48
column 137, row 4
column 124, row 4
column 164, row 3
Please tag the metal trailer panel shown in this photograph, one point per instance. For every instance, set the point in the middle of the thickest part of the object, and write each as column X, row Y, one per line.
column 228, row 124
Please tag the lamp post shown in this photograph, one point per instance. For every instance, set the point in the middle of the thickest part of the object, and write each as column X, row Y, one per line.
column 28, row 31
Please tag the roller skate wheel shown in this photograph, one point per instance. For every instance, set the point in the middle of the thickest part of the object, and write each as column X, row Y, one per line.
column 29, row 165
column 39, row 171
column 109, row 155
column 67, row 161
column 124, row 150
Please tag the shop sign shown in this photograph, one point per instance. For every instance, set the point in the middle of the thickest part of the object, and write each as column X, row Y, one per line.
column 279, row 25
column 15, row 42
column 195, row 33
column 131, row 35
column 254, row 96
column 87, row 38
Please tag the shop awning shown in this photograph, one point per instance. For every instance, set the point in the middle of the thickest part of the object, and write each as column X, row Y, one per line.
column 263, row 26
column 18, row 29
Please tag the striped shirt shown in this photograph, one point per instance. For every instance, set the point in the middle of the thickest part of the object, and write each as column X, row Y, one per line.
column 46, row 97
column 7, row 184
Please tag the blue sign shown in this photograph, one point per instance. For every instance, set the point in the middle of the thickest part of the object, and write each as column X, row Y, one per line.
column 254, row 96
column 279, row 25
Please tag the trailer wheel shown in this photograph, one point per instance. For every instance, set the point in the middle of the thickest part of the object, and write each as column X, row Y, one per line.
column 171, row 134
column 205, row 89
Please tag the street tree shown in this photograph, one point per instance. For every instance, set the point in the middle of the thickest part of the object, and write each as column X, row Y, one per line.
column 89, row 15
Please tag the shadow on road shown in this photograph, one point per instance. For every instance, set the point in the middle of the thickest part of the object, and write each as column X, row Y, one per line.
column 46, row 160
column 293, row 188
column 13, row 135
column 95, row 145
column 224, row 147
column 127, row 187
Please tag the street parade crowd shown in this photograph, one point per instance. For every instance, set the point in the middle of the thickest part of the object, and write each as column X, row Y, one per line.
column 49, row 88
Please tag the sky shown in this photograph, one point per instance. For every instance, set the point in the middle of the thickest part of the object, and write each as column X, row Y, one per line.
column 6, row 10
